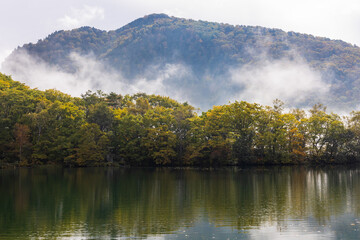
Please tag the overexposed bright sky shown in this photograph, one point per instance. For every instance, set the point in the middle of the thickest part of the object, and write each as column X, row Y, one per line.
column 24, row 21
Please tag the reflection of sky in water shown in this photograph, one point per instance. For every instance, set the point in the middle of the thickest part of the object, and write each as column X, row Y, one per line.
column 273, row 203
column 341, row 227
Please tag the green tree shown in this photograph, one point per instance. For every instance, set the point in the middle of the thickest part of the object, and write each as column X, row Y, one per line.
column 159, row 140
column 101, row 115
column 243, row 118
column 92, row 146
column 21, row 142
column 127, row 142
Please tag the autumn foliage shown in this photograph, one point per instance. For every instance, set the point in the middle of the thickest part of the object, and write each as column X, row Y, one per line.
column 50, row 127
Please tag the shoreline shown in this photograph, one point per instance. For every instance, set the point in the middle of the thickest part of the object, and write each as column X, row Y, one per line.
column 241, row 166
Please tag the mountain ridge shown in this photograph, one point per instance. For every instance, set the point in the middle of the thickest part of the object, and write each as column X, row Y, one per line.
column 210, row 50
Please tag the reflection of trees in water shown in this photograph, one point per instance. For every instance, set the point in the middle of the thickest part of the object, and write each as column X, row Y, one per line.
column 138, row 202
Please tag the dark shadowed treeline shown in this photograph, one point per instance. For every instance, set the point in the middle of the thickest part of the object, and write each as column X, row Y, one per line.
column 50, row 127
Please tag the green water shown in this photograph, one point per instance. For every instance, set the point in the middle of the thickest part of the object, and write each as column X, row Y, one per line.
column 254, row 203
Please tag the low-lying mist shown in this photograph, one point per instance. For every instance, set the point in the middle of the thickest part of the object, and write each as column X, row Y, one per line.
column 290, row 79
column 90, row 74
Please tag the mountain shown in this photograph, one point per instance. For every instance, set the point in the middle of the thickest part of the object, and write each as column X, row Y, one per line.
column 212, row 63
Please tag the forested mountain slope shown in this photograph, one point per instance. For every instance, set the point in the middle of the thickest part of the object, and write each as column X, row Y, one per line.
column 216, row 59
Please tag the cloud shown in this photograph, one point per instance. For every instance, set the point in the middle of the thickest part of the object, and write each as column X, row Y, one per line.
column 81, row 17
column 291, row 80
column 92, row 74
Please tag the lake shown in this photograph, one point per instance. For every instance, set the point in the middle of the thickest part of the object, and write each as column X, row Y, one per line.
column 294, row 202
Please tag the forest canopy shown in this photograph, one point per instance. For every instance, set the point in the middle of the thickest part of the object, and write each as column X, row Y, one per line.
column 51, row 127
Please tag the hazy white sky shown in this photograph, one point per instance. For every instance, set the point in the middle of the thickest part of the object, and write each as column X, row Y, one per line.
column 23, row 21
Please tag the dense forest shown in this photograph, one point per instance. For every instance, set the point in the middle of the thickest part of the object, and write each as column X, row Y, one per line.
column 50, row 127
column 208, row 50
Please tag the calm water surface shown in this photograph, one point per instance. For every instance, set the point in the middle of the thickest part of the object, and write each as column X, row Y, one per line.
column 254, row 203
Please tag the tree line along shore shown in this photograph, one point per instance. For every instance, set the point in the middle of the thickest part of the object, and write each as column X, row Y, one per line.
column 98, row 129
